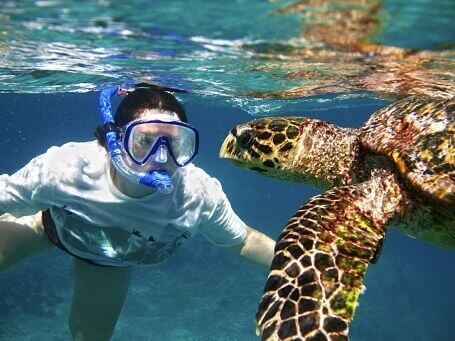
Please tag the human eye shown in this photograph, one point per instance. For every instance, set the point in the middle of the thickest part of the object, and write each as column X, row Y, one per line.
column 176, row 144
column 144, row 139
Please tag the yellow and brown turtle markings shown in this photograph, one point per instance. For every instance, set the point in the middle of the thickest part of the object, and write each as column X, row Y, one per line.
column 321, row 258
column 323, row 252
column 418, row 134
column 289, row 148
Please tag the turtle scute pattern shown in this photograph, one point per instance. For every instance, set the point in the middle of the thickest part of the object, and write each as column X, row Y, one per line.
column 418, row 133
column 320, row 260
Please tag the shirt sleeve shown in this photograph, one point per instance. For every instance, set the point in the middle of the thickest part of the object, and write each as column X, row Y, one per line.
column 18, row 191
column 223, row 227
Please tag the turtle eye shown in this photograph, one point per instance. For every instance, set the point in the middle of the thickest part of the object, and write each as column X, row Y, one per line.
column 245, row 138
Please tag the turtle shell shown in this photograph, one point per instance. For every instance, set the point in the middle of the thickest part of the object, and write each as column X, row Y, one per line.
column 417, row 133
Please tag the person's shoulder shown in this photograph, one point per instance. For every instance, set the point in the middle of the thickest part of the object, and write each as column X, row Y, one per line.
column 75, row 156
column 75, row 147
column 199, row 181
column 194, row 173
column 77, row 164
column 75, row 150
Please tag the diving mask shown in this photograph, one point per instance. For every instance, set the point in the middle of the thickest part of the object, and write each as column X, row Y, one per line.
column 144, row 139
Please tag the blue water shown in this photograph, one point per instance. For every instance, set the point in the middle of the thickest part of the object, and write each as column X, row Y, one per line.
column 56, row 55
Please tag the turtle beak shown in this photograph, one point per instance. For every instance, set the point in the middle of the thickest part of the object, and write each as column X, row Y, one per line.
column 236, row 145
column 228, row 146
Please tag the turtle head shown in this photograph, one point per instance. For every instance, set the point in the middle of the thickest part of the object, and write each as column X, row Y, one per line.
column 296, row 149
column 266, row 145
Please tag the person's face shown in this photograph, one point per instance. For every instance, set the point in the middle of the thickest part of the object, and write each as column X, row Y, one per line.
column 144, row 137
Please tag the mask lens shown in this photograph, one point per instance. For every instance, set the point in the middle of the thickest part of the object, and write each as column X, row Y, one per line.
column 183, row 145
column 140, row 142
column 142, row 138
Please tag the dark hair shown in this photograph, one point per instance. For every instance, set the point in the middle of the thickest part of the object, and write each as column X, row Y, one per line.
column 145, row 96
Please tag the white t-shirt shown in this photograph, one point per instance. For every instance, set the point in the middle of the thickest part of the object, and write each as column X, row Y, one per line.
column 96, row 221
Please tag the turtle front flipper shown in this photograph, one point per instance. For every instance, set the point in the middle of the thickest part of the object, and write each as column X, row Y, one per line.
column 321, row 258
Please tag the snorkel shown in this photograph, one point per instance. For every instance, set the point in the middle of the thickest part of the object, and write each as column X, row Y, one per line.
column 157, row 179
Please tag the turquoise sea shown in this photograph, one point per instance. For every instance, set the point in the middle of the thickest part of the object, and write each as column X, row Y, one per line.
column 334, row 60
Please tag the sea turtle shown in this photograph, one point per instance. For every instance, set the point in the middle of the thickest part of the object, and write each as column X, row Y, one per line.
column 398, row 169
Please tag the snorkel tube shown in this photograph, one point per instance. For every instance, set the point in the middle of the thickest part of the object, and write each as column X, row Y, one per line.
column 158, row 179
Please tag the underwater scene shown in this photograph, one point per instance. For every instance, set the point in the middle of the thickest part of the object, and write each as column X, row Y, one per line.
column 332, row 60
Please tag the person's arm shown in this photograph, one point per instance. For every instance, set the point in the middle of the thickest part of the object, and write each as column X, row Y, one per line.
column 256, row 248
column 17, row 191
column 224, row 228
column 20, row 237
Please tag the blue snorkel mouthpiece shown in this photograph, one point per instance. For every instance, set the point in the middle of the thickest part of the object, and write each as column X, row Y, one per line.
column 158, row 179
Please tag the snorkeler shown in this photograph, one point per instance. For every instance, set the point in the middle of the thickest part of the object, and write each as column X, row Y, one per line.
column 131, row 198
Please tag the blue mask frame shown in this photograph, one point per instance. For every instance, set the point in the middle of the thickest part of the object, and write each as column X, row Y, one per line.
column 161, row 140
